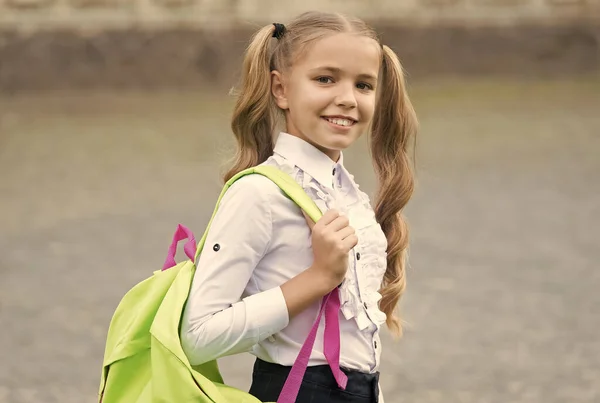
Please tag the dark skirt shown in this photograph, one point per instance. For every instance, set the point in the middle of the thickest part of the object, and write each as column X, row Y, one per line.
column 318, row 385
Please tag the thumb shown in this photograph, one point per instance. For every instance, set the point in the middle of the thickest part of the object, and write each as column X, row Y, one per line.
column 309, row 220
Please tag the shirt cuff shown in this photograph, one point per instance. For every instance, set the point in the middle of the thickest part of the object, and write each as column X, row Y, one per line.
column 267, row 312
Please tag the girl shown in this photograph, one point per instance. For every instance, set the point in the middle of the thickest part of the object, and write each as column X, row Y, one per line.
column 263, row 270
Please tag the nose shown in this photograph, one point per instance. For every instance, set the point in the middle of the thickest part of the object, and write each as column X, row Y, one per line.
column 346, row 97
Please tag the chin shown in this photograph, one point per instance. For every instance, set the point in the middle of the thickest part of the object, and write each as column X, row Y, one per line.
column 340, row 141
column 337, row 145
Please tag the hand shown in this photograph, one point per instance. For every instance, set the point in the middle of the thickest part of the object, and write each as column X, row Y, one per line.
column 332, row 240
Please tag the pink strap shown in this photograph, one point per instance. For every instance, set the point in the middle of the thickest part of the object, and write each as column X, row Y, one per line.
column 181, row 233
column 331, row 306
column 332, row 338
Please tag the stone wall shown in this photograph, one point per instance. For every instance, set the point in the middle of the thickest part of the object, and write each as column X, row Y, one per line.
column 219, row 14
column 47, row 44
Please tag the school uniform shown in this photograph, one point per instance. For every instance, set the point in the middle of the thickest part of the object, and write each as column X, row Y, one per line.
column 258, row 240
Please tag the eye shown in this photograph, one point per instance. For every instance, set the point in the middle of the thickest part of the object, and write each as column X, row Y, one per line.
column 364, row 86
column 324, row 80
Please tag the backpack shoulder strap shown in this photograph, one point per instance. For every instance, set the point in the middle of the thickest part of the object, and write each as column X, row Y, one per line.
column 285, row 182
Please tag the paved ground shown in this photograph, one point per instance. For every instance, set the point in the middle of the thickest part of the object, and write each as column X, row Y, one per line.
column 503, row 302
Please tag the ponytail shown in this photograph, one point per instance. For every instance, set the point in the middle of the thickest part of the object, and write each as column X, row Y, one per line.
column 394, row 125
column 253, row 120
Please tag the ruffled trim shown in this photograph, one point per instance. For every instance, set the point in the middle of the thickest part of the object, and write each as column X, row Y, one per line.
column 365, row 280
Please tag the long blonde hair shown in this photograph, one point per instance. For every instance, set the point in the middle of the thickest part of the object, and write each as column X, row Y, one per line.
column 394, row 127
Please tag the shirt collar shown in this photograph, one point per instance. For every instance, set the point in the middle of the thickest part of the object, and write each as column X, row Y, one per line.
column 308, row 158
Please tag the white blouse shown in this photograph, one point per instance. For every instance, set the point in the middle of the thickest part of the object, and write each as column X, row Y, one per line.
column 258, row 240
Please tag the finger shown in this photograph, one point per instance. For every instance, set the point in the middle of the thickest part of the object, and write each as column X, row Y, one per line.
column 309, row 220
column 345, row 232
column 350, row 242
column 339, row 223
column 329, row 216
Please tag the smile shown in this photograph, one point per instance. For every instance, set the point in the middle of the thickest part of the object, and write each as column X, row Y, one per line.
column 340, row 121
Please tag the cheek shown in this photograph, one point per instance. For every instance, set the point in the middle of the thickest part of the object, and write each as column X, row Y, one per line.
column 367, row 107
column 300, row 92
column 313, row 100
column 317, row 96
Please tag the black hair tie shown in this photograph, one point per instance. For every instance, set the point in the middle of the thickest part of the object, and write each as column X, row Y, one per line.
column 279, row 30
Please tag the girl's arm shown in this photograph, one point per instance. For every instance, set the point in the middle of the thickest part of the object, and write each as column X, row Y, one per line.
column 216, row 321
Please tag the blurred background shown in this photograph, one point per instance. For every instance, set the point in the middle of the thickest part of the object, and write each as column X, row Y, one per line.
column 114, row 124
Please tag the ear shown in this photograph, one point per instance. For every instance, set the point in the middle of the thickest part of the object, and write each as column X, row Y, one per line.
column 278, row 90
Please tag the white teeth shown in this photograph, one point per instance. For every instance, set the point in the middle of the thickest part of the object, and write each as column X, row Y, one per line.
column 341, row 122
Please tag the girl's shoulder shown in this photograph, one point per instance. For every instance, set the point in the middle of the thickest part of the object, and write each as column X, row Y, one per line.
column 257, row 187
column 254, row 186
column 282, row 164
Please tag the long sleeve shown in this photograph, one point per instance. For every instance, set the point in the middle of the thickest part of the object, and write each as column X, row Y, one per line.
column 216, row 320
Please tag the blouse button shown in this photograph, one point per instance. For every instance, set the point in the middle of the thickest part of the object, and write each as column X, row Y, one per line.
column 333, row 173
column 357, row 255
column 216, row 247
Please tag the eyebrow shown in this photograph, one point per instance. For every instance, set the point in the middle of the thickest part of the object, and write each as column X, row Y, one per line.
column 336, row 70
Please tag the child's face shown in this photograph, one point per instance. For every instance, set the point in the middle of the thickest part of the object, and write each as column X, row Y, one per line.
column 328, row 95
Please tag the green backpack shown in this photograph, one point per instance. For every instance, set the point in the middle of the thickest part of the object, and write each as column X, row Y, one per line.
column 144, row 361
